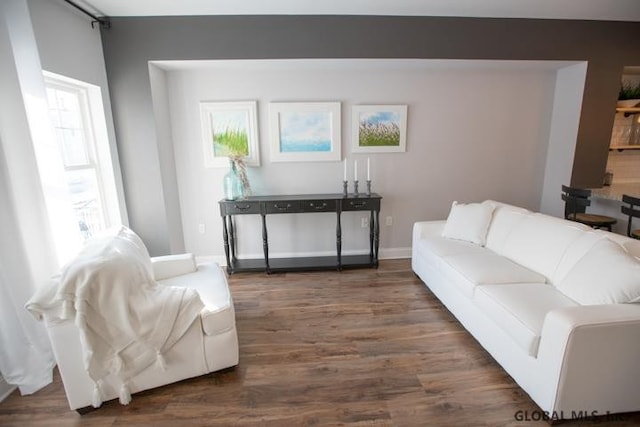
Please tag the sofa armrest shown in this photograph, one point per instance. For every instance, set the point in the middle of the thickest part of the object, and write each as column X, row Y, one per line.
column 168, row 266
column 590, row 355
column 216, row 320
column 427, row 228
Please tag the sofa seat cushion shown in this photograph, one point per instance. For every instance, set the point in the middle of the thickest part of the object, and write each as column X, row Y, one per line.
column 443, row 246
column 487, row 267
column 519, row 309
column 210, row 282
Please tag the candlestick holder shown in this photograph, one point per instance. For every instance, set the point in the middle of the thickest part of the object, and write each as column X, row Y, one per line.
column 345, row 190
column 355, row 187
column 368, row 187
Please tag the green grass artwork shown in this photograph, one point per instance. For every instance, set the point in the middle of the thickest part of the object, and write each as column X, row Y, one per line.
column 231, row 143
column 384, row 134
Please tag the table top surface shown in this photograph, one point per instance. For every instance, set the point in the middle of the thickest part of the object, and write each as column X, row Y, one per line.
column 283, row 197
column 616, row 190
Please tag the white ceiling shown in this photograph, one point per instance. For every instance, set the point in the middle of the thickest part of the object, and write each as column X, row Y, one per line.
column 606, row 10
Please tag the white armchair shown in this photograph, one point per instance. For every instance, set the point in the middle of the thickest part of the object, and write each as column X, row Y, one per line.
column 97, row 366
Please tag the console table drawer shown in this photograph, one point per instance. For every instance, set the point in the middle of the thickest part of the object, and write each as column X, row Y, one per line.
column 239, row 208
column 319, row 205
column 360, row 204
column 282, row 207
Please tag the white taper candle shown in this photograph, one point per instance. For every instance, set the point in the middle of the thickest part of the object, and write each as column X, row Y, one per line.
column 368, row 169
column 355, row 170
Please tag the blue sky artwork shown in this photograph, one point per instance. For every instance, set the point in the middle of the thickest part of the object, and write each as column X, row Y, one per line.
column 305, row 132
column 380, row 117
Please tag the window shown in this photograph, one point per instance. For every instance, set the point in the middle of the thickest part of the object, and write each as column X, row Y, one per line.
column 84, row 150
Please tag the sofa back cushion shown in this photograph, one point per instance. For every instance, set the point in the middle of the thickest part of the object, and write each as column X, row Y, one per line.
column 574, row 253
column 539, row 242
column 632, row 246
column 606, row 274
column 504, row 220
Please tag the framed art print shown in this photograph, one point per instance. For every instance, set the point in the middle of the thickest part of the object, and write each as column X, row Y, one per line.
column 379, row 128
column 229, row 129
column 304, row 131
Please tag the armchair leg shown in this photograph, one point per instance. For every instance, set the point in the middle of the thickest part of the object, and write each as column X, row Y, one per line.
column 85, row 410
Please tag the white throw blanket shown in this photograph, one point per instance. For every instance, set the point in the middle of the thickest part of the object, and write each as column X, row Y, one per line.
column 126, row 320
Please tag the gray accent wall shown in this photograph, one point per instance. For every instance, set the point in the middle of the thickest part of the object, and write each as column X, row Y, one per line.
column 149, row 174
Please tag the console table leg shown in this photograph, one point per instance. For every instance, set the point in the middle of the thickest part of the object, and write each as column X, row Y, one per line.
column 371, row 235
column 339, row 241
column 376, row 238
column 225, row 236
column 232, row 241
column 265, row 244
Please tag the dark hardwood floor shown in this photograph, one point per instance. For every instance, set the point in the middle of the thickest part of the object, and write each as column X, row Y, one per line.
column 354, row 348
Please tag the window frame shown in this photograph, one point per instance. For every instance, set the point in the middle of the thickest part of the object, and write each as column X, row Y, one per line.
column 99, row 158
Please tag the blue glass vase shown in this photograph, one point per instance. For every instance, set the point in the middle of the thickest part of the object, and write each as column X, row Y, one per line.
column 232, row 183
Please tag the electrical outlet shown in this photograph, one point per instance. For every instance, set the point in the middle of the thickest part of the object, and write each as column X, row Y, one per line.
column 201, row 228
column 389, row 220
column 364, row 222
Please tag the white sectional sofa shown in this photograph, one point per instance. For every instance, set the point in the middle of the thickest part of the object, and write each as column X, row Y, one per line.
column 554, row 302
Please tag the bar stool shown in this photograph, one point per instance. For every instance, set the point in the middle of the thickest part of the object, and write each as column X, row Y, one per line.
column 575, row 206
column 633, row 213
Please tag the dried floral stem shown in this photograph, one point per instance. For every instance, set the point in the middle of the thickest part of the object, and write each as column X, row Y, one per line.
column 241, row 169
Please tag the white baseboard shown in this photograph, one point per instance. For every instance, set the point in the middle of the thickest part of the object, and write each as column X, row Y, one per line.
column 385, row 253
column 394, row 253
column 5, row 389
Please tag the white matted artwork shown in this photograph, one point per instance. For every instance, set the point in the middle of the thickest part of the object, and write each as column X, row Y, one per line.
column 304, row 131
column 229, row 129
column 379, row 128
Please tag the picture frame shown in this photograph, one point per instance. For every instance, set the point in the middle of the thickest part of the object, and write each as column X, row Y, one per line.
column 304, row 131
column 229, row 128
column 379, row 128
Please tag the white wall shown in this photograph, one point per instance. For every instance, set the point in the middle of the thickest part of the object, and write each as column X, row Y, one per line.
column 565, row 117
column 158, row 81
column 476, row 130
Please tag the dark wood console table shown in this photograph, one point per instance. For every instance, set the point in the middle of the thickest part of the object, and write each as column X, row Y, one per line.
column 300, row 204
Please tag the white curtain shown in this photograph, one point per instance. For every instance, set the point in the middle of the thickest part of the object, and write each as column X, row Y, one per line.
column 25, row 353
column 26, row 359
column 27, row 250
